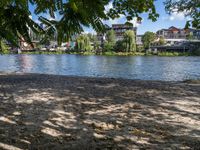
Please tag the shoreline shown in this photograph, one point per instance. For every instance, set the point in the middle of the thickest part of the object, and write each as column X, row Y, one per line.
column 2, row 73
column 40, row 111
column 160, row 54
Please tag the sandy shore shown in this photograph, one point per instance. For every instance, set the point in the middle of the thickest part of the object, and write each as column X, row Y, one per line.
column 58, row 112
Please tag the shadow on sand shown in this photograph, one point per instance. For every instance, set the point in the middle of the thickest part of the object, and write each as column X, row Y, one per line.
column 57, row 112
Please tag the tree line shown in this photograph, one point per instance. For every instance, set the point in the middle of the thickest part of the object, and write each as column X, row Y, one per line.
column 89, row 42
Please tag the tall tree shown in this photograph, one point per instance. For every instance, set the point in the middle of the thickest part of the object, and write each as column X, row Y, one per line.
column 83, row 42
column 190, row 8
column 130, row 41
column 111, row 37
column 110, row 41
column 148, row 38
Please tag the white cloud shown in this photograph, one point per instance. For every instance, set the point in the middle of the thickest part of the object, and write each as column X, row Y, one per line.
column 175, row 15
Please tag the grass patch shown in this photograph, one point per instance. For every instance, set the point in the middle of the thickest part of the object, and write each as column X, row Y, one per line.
column 171, row 54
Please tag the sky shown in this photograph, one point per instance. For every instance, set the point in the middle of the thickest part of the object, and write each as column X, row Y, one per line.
column 164, row 21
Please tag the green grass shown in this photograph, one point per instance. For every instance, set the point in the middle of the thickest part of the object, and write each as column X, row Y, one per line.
column 40, row 52
column 123, row 54
column 172, row 54
column 111, row 53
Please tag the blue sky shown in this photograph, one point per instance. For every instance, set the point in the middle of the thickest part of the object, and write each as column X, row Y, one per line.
column 164, row 21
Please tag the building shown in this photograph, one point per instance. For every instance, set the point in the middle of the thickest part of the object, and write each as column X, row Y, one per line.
column 139, row 40
column 119, row 29
column 195, row 33
column 173, row 35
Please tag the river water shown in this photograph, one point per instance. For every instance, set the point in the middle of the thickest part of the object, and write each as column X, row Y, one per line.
column 133, row 67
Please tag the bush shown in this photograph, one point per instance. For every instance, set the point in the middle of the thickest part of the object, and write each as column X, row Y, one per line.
column 3, row 48
column 119, row 46
column 196, row 52
column 108, row 47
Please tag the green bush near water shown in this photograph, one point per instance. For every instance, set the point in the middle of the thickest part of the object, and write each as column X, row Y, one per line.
column 196, row 52
column 173, row 54
column 3, row 48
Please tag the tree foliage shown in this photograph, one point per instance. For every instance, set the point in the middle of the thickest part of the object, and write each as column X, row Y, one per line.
column 83, row 42
column 94, row 40
column 15, row 21
column 190, row 8
column 161, row 41
column 130, row 41
column 111, row 37
column 73, row 16
column 3, row 47
column 119, row 46
column 148, row 38
column 110, row 41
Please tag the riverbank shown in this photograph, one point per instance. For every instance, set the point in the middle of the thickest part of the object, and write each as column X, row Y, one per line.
column 60, row 112
column 169, row 54
column 113, row 53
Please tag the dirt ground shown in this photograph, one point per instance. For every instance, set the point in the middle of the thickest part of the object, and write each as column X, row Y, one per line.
column 80, row 113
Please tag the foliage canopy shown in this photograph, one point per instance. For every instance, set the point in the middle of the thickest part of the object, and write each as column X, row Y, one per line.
column 190, row 8
column 130, row 41
column 148, row 38
column 75, row 14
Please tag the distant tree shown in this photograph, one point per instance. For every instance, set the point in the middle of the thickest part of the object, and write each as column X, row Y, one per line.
column 83, row 42
column 90, row 36
column 96, row 43
column 161, row 41
column 111, row 37
column 110, row 41
column 148, row 38
column 120, row 46
column 189, row 7
column 108, row 47
column 130, row 41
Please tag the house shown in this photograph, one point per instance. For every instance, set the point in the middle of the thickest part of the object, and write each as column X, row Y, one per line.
column 195, row 33
column 172, row 33
column 139, row 40
column 119, row 29
column 175, row 35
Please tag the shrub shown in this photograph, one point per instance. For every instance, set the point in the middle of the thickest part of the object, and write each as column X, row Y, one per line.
column 119, row 46
column 108, row 47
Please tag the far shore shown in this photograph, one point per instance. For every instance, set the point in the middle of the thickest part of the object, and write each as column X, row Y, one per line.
column 40, row 111
column 169, row 54
column 111, row 53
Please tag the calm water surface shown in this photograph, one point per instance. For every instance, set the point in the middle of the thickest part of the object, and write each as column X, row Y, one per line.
column 134, row 67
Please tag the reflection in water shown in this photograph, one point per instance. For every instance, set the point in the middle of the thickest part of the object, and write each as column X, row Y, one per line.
column 25, row 63
column 138, row 67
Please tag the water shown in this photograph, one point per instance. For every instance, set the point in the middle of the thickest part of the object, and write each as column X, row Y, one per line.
column 133, row 67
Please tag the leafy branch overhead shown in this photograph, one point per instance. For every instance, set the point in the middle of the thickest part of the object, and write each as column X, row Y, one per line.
column 75, row 14
column 191, row 9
